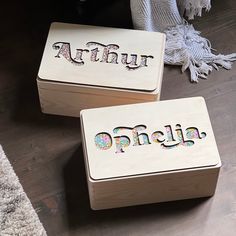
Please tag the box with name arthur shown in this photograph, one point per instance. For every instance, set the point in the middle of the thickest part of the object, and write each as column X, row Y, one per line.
column 87, row 66
column 149, row 152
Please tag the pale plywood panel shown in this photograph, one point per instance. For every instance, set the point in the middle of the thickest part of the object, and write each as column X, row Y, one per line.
column 175, row 185
column 69, row 99
column 94, row 90
column 136, row 160
column 151, row 187
column 104, row 74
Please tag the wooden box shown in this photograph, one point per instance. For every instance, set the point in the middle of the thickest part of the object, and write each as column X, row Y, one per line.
column 149, row 152
column 86, row 67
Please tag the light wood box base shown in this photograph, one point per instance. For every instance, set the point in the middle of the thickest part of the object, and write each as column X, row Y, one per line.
column 162, row 187
column 148, row 153
column 69, row 99
column 87, row 66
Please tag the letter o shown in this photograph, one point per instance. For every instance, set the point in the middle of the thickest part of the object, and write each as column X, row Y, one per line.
column 103, row 141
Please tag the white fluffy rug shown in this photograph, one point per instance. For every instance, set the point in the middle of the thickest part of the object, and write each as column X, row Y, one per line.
column 17, row 215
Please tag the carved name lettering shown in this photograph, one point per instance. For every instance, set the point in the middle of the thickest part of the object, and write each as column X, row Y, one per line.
column 137, row 137
column 98, row 52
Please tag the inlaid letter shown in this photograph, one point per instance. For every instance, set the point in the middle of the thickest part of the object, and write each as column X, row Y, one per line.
column 103, row 141
column 193, row 132
column 170, row 142
column 65, row 51
column 79, row 55
column 121, row 141
column 144, row 60
column 140, row 139
column 107, row 55
column 94, row 53
column 180, row 135
column 157, row 137
column 132, row 63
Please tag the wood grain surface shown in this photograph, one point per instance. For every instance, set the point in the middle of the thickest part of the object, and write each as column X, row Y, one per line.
column 66, row 85
column 139, row 157
column 61, row 61
column 46, row 152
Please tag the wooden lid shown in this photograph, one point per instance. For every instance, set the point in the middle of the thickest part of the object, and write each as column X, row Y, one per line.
column 100, row 56
column 148, row 138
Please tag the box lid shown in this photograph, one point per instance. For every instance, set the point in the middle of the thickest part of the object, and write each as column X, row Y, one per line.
column 148, row 138
column 101, row 56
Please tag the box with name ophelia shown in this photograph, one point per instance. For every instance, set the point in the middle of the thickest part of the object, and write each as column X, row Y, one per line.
column 87, row 67
column 149, row 152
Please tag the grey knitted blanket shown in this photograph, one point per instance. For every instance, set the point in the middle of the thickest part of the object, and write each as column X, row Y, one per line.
column 17, row 216
column 184, row 45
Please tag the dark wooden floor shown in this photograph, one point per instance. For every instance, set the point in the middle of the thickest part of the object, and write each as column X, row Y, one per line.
column 45, row 150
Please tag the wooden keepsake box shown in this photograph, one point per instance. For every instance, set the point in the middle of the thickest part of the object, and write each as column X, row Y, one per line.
column 87, row 67
column 149, row 152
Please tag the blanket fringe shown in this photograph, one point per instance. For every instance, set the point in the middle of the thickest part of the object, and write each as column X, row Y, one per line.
column 193, row 8
column 185, row 46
